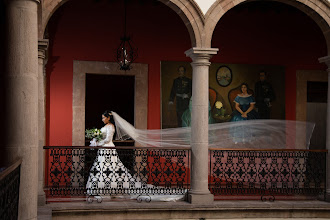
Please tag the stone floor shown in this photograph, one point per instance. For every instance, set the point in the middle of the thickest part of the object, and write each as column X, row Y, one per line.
column 302, row 210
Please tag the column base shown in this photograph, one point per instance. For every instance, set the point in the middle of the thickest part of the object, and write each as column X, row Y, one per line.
column 200, row 198
column 42, row 199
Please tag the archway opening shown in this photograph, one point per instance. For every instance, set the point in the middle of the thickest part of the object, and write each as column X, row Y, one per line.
column 271, row 34
column 88, row 30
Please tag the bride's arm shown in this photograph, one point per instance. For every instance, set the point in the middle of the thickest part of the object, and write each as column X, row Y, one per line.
column 107, row 136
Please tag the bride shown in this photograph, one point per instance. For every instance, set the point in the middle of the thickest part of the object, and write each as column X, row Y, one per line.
column 108, row 175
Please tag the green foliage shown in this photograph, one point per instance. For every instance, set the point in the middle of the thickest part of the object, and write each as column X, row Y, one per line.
column 93, row 133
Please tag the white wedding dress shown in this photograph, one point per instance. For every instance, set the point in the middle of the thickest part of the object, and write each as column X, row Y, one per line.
column 108, row 175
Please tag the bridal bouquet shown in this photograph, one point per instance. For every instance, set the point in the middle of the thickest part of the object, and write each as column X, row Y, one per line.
column 93, row 133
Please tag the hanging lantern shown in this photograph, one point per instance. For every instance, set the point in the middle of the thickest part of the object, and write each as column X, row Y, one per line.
column 126, row 52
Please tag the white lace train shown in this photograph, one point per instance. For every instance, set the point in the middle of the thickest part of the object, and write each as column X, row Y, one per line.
column 109, row 177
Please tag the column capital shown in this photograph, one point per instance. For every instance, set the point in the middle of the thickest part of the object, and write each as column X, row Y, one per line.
column 8, row 1
column 325, row 60
column 201, row 56
column 42, row 48
column 200, row 51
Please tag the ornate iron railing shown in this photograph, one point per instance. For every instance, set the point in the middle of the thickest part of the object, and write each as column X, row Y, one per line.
column 268, row 173
column 74, row 172
column 9, row 191
column 90, row 171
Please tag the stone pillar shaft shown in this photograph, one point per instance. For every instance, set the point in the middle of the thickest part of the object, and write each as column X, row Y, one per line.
column 326, row 60
column 199, row 192
column 42, row 48
column 21, row 99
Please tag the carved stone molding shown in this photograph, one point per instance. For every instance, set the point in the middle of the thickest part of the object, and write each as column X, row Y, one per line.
column 42, row 48
column 301, row 93
column 325, row 60
column 201, row 56
column 80, row 68
column 303, row 76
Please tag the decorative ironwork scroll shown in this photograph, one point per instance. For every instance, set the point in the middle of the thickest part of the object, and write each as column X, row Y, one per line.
column 268, row 173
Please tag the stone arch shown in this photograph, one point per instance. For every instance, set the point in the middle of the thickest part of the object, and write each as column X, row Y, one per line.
column 48, row 9
column 318, row 10
column 188, row 10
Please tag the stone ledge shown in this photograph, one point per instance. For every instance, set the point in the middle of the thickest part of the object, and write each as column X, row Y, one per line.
column 228, row 204
column 185, row 210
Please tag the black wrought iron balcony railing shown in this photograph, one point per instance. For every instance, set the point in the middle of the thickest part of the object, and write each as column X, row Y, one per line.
column 284, row 174
column 130, row 172
column 75, row 173
column 9, row 191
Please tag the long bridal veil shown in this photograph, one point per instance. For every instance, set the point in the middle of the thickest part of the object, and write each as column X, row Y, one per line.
column 249, row 134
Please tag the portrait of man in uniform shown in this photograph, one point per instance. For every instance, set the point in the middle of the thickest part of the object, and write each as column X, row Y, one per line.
column 264, row 95
column 181, row 93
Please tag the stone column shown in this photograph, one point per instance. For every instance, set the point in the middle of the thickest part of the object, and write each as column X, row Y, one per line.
column 42, row 48
column 199, row 192
column 20, row 105
column 326, row 60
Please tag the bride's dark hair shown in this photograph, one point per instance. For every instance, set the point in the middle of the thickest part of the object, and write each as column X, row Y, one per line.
column 107, row 113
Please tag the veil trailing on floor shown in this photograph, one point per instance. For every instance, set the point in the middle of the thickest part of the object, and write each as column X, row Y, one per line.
column 249, row 134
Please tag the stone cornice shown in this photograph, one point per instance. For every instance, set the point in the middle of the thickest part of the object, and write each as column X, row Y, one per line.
column 42, row 48
column 325, row 60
